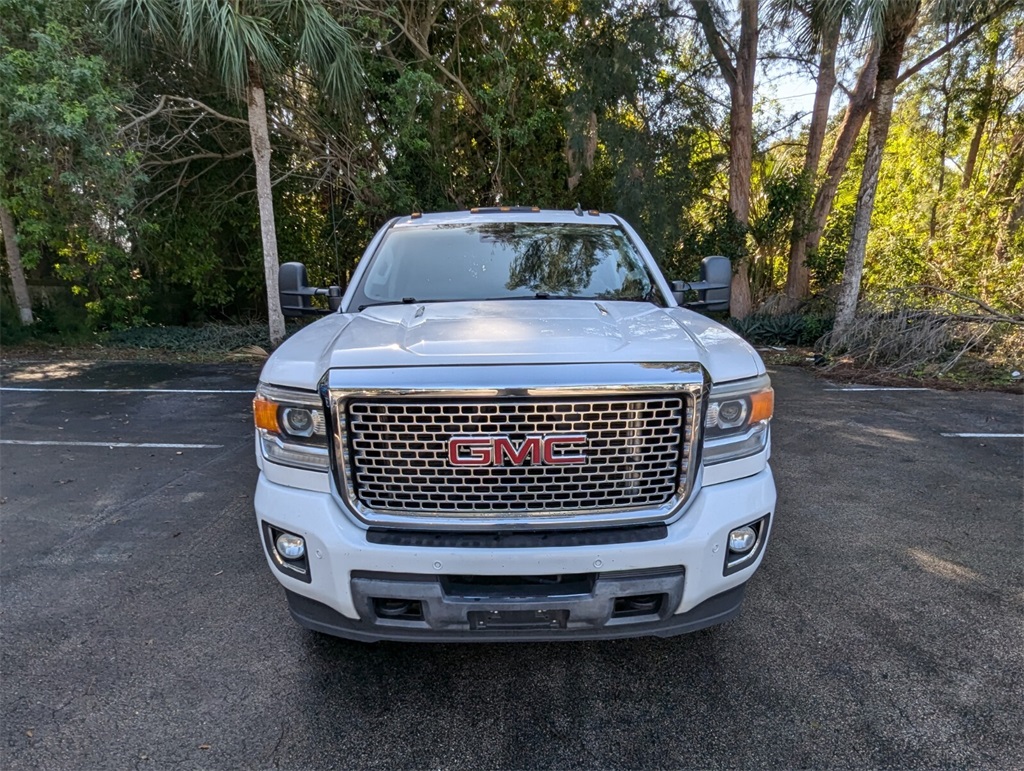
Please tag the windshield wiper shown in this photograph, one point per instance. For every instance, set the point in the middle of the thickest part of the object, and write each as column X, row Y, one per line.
column 537, row 296
column 403, row 301
column 649, row 298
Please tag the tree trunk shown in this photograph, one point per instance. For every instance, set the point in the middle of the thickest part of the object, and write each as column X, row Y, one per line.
column 741, row 147
column 21, row 296
column 881, row 116
column 943, row 142
column 857, row 111
column 260, row 135
column 798, row 277
column 987, row 91
column 739, row 76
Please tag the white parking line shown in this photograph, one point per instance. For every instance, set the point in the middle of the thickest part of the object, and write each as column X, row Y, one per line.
column 131, row 390
column 144, row 445
column 987, row 436
column 877, row 388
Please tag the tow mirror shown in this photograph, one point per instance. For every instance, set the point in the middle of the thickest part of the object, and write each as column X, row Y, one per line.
column 297, row 295
column 712, row 289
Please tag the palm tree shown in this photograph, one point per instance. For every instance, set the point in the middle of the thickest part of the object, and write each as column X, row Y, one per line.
column 247, row 45
column 894, row 21
column 819, row 31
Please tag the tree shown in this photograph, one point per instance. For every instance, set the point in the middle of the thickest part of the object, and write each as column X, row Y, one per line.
column 822, row 25
column 983, row 105
column 898, row 20
column 638, row 125
column 18, row 283
column 247, row 46
column 64, row 180
column 893, row 22
column 738, row 74
column 807, row 235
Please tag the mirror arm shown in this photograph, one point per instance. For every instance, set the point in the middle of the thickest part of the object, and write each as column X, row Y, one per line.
column 332, row 293
column 307, row 291
column 679, row 289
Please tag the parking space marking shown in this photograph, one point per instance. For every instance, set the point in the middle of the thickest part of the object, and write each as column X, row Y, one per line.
column 987, row 436
column 131, row 390
column 144, row 445
column 878, row 388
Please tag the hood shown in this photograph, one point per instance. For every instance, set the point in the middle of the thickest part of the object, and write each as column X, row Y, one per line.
column 513, row 332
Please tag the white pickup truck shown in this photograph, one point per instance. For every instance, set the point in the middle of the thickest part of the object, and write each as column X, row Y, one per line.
column 510, row 427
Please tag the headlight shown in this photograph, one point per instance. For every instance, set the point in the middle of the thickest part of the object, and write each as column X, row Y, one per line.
column 736, row 424
column 291, row 427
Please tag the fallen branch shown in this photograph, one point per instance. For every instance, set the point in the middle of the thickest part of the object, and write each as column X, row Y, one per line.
column 995, row 316
column 959, row 295
column 903, row 340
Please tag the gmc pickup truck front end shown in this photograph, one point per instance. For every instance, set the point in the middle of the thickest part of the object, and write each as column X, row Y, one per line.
column 510, row 428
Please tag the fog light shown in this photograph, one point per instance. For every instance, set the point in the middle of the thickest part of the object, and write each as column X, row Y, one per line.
column 292, row 547
column 742, row 539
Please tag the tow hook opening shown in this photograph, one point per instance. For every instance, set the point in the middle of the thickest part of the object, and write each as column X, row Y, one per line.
column 398, row 610
column 640, row 605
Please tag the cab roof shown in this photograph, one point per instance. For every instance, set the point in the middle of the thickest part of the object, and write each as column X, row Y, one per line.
column 507, row 214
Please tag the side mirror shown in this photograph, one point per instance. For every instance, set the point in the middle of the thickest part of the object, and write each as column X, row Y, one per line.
column 712, row 289
column 297, row 295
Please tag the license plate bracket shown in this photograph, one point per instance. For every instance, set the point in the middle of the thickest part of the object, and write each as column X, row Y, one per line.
column 518, row 619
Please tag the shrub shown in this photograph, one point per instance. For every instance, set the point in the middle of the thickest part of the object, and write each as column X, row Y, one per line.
column 210, row 338
column 787, row 329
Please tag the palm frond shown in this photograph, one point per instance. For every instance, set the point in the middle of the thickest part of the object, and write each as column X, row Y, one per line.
column 813, row 21
column 235, row 40
column 130, row 23
column 231, row 43
column 329, row 50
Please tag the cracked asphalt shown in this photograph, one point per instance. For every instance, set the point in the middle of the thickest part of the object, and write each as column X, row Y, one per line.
column 140, row 626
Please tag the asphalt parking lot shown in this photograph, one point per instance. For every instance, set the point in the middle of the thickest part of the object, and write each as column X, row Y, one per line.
column 142, row 628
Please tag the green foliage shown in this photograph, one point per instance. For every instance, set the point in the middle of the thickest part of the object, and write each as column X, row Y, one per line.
column 929, row 227
column 60, row 320
column 64, row 175
column 826, row 263
column 203, row 250
column 601, row 102
column 780, row 192
column 637, row 108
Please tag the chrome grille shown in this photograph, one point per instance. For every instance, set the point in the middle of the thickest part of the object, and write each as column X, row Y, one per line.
column 636, row 449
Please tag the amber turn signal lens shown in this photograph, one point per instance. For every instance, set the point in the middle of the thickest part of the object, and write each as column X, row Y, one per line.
column 762, row 405
column 264, row 414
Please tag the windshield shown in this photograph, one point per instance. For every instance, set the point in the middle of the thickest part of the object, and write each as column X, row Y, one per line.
column 505, row 261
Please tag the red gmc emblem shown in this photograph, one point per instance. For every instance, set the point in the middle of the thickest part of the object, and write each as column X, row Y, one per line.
column 550, row 450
